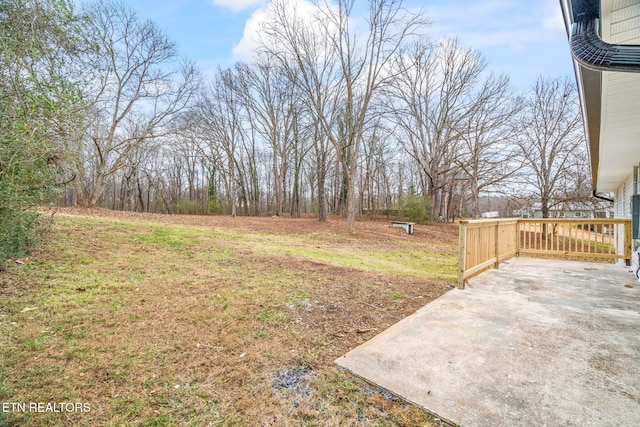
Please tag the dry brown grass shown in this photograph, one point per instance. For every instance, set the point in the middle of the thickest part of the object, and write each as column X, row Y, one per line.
column 157, row 320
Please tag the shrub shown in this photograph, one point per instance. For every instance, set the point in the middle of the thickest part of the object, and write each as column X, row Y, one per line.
column 20, row 231
column 416, row 208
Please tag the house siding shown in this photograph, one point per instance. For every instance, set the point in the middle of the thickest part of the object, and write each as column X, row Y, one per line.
column 622, row 204
column 622, row 209
column 625, row 22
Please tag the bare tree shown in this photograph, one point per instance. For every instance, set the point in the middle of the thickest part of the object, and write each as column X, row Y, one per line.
column 272, row 106
column 339, row 69
column 431, row 99
column 301, row 50
column 379, row 153
column 322, row 153
column 135, row 94
column 551, row 138
column 301, row 133
column 218, row 117
column 487, row 155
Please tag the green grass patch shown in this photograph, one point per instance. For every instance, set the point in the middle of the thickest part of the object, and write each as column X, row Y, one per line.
column 273, row 317
column 409, row 262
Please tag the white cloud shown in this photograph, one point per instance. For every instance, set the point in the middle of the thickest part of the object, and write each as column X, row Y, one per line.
column 244, row 50
column 238, row 5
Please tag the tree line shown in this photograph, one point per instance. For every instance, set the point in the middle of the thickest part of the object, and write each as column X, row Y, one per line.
column 345, row 108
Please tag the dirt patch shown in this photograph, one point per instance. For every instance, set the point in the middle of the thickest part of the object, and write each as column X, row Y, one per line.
column 357, row 307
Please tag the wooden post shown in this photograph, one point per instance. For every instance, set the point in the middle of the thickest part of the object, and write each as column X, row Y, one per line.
column 518, row 238
column 497, row 250
column 627, row 242
column 462, row 253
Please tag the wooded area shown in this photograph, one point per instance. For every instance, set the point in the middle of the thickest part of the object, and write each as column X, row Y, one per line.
column 342, row 110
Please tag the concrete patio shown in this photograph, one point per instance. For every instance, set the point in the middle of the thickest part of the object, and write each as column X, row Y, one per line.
column 535, row 343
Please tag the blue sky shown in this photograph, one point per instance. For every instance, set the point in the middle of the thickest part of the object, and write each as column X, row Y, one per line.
column 520, row 38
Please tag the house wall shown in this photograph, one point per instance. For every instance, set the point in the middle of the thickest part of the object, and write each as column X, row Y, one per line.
column 622, row 205
column 622, row 209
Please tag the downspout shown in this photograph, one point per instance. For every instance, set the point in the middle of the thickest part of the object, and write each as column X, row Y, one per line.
column 597, row 196
column 590, row 50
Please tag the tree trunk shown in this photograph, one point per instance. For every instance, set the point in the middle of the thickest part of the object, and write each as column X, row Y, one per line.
column 544, row 205
column 322, row 204
column 96, row 192
column 351, row 204
column 475, row 194
column 351, row 195
column 81, row 197
column 321, row 176
column 277, row 184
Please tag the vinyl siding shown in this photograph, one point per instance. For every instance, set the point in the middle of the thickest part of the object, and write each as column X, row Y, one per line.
column 622, row 205
column 622, row 209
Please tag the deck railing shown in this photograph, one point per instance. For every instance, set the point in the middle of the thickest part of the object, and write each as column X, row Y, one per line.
column 486, row 243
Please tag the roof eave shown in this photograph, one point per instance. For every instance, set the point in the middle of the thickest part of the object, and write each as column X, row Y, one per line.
column 591, row 56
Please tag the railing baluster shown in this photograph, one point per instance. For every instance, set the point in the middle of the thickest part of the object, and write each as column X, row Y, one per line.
column 609, row 234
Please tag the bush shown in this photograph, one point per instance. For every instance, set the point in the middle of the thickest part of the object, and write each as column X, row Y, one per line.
column 20, row 232
column 417, row 208
column 41, row 110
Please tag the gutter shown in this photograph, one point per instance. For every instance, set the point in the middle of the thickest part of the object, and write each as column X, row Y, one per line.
column 590, row 50
column 597, row 196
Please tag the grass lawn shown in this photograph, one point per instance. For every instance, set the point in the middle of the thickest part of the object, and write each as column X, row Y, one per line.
column 150, row 320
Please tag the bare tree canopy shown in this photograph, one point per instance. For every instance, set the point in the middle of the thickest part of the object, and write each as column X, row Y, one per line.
column 340, row 68
column 138, row 88
column 551, row 140
column 487, row 155
column 432, row 101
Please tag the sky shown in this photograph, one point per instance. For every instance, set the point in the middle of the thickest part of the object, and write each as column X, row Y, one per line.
column 520, row 38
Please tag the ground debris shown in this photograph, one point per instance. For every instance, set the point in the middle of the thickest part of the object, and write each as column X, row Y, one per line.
column 383, row 393
column 294, row 381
